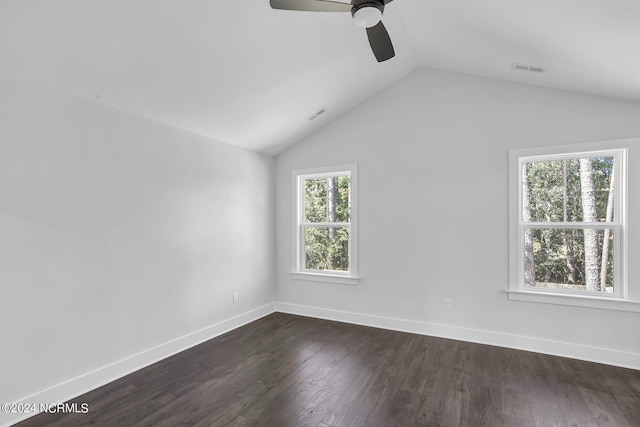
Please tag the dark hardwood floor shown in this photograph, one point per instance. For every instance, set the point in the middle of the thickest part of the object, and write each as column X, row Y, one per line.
column 286, row 370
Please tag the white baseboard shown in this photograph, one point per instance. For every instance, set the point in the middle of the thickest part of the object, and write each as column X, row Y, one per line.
column 99, row 377
column 538, row 345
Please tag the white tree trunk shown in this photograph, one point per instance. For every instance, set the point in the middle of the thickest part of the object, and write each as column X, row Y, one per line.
column 607, row 234
column 332, row 189
column 588, row 196
column 567, row 235
column 529, row 267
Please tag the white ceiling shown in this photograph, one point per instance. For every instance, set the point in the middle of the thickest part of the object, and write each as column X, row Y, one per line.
column 241, row 73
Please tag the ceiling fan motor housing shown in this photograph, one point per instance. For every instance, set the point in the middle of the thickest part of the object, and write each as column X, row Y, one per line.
column 367, row 13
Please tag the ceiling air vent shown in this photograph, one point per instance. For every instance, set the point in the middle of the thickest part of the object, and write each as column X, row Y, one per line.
column 530, row 68
column 318, row 113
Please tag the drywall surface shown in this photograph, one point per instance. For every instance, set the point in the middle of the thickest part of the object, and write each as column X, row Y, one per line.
column 117, row 235
column 432, row 155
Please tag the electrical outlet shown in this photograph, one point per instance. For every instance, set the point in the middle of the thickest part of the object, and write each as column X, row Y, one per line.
column 235, row 297
column 448, row 304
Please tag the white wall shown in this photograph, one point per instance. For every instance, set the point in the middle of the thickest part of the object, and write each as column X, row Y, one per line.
column 432, row 153
column 119, row 234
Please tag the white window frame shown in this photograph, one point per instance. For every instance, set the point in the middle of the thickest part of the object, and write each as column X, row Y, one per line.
column 299, row 271
column 516, row 287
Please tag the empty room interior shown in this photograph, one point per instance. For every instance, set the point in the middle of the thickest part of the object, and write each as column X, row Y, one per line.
column 320, row 213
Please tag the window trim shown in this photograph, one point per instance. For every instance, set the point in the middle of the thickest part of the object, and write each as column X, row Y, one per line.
column 516, row 289
column 298, row 271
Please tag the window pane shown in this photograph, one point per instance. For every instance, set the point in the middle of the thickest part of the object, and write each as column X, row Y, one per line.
column 569, row 259
column 568, row 190
column 328, row 199
column 326, row 248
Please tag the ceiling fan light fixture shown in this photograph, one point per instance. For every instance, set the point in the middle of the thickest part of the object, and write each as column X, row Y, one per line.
column 368, row 15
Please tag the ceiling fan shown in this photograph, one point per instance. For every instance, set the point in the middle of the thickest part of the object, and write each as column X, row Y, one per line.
column 366, row 14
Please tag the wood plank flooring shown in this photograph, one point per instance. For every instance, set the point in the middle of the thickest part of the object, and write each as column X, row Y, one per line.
column 286, row 370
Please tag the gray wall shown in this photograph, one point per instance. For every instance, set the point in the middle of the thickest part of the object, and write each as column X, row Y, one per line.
column 432, row 153
column 118, row 234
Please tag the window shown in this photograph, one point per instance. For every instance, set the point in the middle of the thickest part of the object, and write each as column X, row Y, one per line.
column 325, row 224
column 567, row 225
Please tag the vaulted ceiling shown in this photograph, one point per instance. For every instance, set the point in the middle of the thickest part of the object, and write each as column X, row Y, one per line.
column 242, row 73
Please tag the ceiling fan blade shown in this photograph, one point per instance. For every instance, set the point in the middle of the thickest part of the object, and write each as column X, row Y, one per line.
column 311, row 5
column 358, row 2
column 380, row 42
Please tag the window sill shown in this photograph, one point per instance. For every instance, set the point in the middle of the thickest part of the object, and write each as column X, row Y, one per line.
column 327, row 278
column 575, row 300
